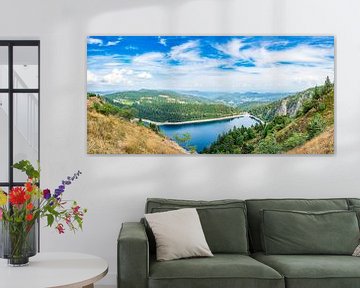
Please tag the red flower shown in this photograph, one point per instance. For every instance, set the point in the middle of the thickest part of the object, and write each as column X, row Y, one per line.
column 29, row 186
column 27, row 196
column 29, row 217
column 68, row 219
column 29, row 206
column 75, row 209
column 60, row 228
column 17, row 196
column 46, row 194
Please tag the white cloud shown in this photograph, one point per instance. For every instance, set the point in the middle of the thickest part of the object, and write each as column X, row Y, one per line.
column 95, row 41
column 302, row 54
column 118, row 76
column 144, row 75
column 100, row 42
column 232, row 48
column 112, row 43
column 91, row 77
column 112, row 64
column 130, row 47
column 262, row 56
column 149, row 58
column 186, row 52
column 162, row 41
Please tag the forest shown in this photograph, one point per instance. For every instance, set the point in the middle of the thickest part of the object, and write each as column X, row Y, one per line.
column 169, row 106
column 286, row 128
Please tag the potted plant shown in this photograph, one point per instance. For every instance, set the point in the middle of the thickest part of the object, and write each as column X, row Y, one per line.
column 21, row 208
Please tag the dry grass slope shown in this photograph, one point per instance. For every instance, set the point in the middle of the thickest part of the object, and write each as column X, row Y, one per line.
column 113, row 135
column 321, row 144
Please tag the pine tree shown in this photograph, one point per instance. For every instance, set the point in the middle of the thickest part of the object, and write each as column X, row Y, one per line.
column 327, row 85
column 316, row 93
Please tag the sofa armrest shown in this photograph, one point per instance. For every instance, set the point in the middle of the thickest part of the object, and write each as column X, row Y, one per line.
column 133, row 256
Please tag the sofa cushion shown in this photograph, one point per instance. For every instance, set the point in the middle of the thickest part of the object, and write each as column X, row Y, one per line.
column 178, row 234
column 224, row 222
column 297, row 232
column 222, row 270
column 314, row 271
column 255, row 206
column 356, row 209
column 353, row 201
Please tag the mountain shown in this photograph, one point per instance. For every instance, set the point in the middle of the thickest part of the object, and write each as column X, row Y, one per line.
column 109, row 132
column 237, row 98
column 146, row 95
column 302, row 123
column 288, row 106
column 169, row 106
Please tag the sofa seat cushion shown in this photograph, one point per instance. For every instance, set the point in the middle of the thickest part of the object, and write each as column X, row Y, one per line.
column 222, row 270
column 314, row 271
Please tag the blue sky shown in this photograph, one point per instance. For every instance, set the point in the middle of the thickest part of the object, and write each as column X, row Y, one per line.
column 209, row 63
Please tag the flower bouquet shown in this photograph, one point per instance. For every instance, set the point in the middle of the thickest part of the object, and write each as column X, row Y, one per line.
column 21, row 208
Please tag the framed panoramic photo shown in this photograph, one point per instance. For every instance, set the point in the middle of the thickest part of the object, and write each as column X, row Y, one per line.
column 210, row 95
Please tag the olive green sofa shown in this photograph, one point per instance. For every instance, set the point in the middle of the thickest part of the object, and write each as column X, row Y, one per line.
column 233, row 231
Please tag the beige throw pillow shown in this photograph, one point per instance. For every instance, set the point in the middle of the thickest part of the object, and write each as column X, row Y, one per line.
column 357, row 251
column 178, row 234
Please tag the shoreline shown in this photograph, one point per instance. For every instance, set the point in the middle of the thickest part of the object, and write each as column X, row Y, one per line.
column 202, row 120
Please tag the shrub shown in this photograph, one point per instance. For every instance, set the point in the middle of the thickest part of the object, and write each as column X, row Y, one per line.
column 308, row 105
column 108, row 109
column 296, row 139
column 268, row 145
column 154, row 127
column 322, row 107
column 316, row 126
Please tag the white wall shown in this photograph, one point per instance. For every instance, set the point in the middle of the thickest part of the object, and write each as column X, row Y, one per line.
column 114, row 188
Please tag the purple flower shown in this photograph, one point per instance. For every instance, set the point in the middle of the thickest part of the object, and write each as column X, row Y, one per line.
column 64, row 183
column 58, row 192
column 46, row 194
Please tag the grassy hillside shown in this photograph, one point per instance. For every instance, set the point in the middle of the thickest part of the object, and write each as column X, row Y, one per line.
column 304, row 121
column 111, row 133
column 321, row 144
column 169, row 106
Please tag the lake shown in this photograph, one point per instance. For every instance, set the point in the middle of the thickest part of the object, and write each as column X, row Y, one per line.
column 203, row 134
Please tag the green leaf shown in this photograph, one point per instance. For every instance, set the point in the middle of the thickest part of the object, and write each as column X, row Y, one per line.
column 26, row 167
column 50, row 219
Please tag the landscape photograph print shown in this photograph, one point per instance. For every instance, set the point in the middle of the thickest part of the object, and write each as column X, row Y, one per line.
column 196, row 95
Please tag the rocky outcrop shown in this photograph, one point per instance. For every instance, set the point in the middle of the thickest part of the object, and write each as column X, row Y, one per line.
column 289, row 106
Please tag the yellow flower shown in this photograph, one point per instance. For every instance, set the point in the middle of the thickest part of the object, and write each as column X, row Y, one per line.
column 3, row 198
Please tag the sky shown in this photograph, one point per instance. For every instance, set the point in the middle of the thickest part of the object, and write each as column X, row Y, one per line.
column 209, row 63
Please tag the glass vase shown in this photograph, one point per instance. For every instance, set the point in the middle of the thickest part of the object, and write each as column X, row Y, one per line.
column 18, row 242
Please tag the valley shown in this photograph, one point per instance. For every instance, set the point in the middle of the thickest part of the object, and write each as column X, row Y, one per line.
column 211, row 123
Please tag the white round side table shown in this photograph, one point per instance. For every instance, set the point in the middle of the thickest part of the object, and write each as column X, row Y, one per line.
column 50, row 270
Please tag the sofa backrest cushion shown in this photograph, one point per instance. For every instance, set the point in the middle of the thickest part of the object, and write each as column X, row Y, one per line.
column 354, row 205
column 223, row 221
column 353, row 202
column 255, row 206
column 297, row 232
